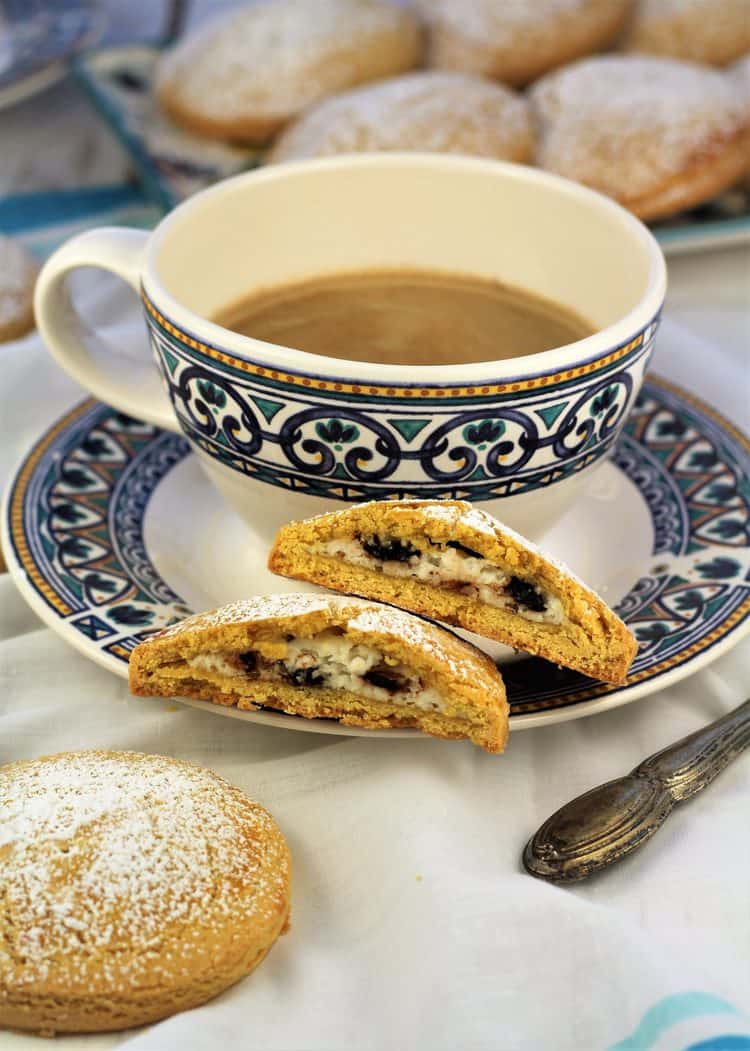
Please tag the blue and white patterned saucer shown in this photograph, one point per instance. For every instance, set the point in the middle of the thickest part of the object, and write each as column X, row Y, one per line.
column 111, row 531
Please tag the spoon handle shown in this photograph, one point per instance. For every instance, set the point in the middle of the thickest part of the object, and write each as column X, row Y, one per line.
column 603, row 825
column 689, row 765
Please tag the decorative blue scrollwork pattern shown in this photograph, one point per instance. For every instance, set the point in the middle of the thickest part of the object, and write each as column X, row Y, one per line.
column 346, row 443
column 331, row 439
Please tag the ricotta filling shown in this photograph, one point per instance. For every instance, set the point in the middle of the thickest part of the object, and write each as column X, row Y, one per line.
column 331, row 660
column 456, row 569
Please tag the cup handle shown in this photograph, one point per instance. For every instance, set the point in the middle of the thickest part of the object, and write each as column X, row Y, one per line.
column 132, row 386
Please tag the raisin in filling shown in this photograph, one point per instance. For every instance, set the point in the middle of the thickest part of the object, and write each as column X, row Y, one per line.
column 301, row 676
column 450, row 565
column 525, row 594
column 249, row 661
column 326, row 661
column 462, row 547
column 389, row 550
column 385, row 680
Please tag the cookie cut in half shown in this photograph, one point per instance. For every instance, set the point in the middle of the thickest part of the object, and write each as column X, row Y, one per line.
column 448, row 560
column 325, row 656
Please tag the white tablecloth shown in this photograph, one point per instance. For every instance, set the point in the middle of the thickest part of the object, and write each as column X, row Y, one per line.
column 414, row 925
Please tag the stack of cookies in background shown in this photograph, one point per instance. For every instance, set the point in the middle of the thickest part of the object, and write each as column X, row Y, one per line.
column 647, row 101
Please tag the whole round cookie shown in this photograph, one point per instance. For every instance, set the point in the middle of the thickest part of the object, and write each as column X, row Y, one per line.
column 714, row 32
column 656, row 134
column 514, row 40
column 134, row 886
column 248, row 73
column 435, row 112
column 18, row 272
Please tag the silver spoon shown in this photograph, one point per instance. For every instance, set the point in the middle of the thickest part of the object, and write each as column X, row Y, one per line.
column 607, row 823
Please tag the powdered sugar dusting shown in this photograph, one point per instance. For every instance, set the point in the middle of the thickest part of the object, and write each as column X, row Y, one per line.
column 17, row 275
column 458, row 658
column 258, row 608
column 452, row 511
column 279, row 56
column 710, row 31
column 499, row 22
column 107, row 856
column 626, row 123
column 433, row 111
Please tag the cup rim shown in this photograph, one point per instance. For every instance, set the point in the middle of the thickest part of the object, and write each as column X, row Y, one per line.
column 287, row 359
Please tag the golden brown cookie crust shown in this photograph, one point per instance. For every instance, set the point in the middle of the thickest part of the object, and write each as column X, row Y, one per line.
column 245, row 76
column 134, row 886
column 18, row 271
column 714, row 32
column 435, row 112
column 517, row 41
column 656, row 134
column 591, row 639
column 469, row 682
column 698, row 184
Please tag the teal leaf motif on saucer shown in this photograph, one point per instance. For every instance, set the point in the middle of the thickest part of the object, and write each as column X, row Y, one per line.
column 728, row 528
column 69, row 513
column 96, row 580
column 130, row 615
column 720, row 568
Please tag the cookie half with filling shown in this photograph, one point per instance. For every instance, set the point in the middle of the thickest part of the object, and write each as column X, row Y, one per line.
column 325, row 656
column 448, row 560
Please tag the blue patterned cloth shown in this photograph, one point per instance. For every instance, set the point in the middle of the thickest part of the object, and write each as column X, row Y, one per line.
column 689, row 1021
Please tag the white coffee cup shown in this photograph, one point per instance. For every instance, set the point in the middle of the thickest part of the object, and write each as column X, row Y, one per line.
column 295, row 433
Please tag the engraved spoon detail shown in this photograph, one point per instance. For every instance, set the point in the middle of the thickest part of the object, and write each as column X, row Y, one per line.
column 607, row 823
